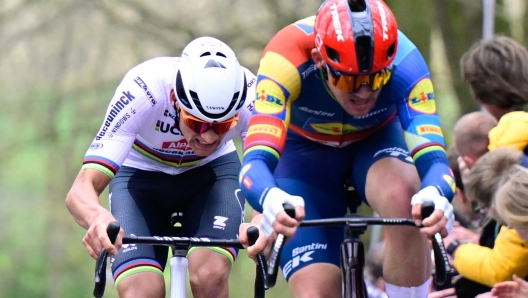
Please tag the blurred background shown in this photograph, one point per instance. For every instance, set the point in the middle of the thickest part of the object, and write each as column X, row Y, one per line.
column 61, row 60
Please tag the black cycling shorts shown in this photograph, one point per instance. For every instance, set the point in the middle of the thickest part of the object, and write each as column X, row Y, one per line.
column 143, row 202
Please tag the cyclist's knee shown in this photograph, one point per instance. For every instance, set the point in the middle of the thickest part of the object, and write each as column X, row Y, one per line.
column 143, row 284
column 209, row 273
column 316, row 280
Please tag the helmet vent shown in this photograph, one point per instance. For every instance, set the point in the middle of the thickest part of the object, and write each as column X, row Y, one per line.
column 364, row 53
column 390, row 51
column 244, row 94
column 357, row 5
column 221, row 54
column 332, row 54
column 180, row 91
column 205, row 54
column 213, row 63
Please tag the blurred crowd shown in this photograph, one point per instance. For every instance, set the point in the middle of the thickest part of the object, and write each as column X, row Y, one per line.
column 488, row 245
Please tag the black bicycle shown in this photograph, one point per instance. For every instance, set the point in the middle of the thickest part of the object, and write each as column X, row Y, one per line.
column 178, row 262
column 352, row 250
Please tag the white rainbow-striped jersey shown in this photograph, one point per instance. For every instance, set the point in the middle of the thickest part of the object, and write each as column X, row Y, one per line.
column 138, row 129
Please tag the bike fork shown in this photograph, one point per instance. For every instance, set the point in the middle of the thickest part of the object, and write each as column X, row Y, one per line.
column 179, row 264
column 352, row 263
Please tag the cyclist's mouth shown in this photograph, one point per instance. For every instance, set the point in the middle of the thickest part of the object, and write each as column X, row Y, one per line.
column 360, row 103
column 203, row 145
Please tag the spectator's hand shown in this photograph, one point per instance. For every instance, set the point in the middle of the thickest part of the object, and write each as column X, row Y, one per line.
column 442, row 218
column 464, row 166
column 518, row 288
column 447, row 293
column 464, row 234
column 96, row 237
column 275, row 218
column 261, row 245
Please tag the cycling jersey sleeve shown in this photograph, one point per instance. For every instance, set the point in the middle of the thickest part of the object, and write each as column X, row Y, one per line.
column 417, row 111
column 278, row 84
column 114, row 139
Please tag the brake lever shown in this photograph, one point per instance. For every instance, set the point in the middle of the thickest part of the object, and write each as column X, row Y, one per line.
column 273, row 267
column 441, row 261
column 100, row 266
column 260, row 281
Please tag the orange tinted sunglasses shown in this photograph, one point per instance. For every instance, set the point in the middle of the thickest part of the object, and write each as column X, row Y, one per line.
column 350, row 83
column 200, row 126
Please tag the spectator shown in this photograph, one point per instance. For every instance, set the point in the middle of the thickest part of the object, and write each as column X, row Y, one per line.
column 511, row 205
column 511, row 201
column 471, row 136
column 497, row 72
column 509, row 132
column 484, row 178
column 507, row 256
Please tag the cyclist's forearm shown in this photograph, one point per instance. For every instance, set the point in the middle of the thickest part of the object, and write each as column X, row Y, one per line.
column 83, row 198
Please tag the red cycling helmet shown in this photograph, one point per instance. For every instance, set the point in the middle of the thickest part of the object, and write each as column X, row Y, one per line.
column 356, row 36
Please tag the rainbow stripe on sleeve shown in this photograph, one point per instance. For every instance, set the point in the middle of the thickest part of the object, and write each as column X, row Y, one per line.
column 106, row 166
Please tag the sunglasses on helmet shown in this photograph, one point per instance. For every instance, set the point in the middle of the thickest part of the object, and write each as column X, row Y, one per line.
column 199, row 126
column 350, row 83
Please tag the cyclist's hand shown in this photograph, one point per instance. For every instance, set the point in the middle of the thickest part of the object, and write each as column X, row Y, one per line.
column 442, row 218
column 261, row 245
column 96, row 237
column 275, row 218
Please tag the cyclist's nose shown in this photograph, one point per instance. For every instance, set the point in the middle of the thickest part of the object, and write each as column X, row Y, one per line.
column 364, row 91
column 209, row 135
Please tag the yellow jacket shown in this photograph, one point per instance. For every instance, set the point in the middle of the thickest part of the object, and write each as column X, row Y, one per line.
column 511, row 131
column 489, row 266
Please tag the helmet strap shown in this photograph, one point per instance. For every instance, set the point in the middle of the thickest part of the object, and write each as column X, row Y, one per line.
column 176, row 116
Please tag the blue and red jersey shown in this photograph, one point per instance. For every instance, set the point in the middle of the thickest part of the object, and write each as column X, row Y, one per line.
column 292, row 96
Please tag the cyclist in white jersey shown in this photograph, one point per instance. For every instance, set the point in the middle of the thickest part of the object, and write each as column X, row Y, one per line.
column 166, row 146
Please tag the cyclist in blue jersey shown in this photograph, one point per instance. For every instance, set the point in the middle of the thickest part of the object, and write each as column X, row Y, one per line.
column 166, row 146
column 346, row 98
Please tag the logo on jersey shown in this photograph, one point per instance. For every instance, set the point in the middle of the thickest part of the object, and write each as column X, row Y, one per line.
column 166, row 127
column 146, row 89
column 373, row 113
column 95, row 146
column 334, row 128
column 250, row 83
column 395, row 151
column 427, row 129
column 270, row 97
column 264, row 129
column 179, row 145
column 318, row 113
column 169, row 114
column 450, row 181
column 421, row 98
column 308, row 70
column 302, row 254
column 247, row 182
column 220, row 222
column 114, row 111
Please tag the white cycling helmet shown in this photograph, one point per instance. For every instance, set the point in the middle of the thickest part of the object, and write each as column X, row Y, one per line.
column 210, row 83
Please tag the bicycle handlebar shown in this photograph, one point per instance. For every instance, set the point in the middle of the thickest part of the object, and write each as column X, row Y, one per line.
column 182, row 241
column 441, row 262
column 113, row 230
